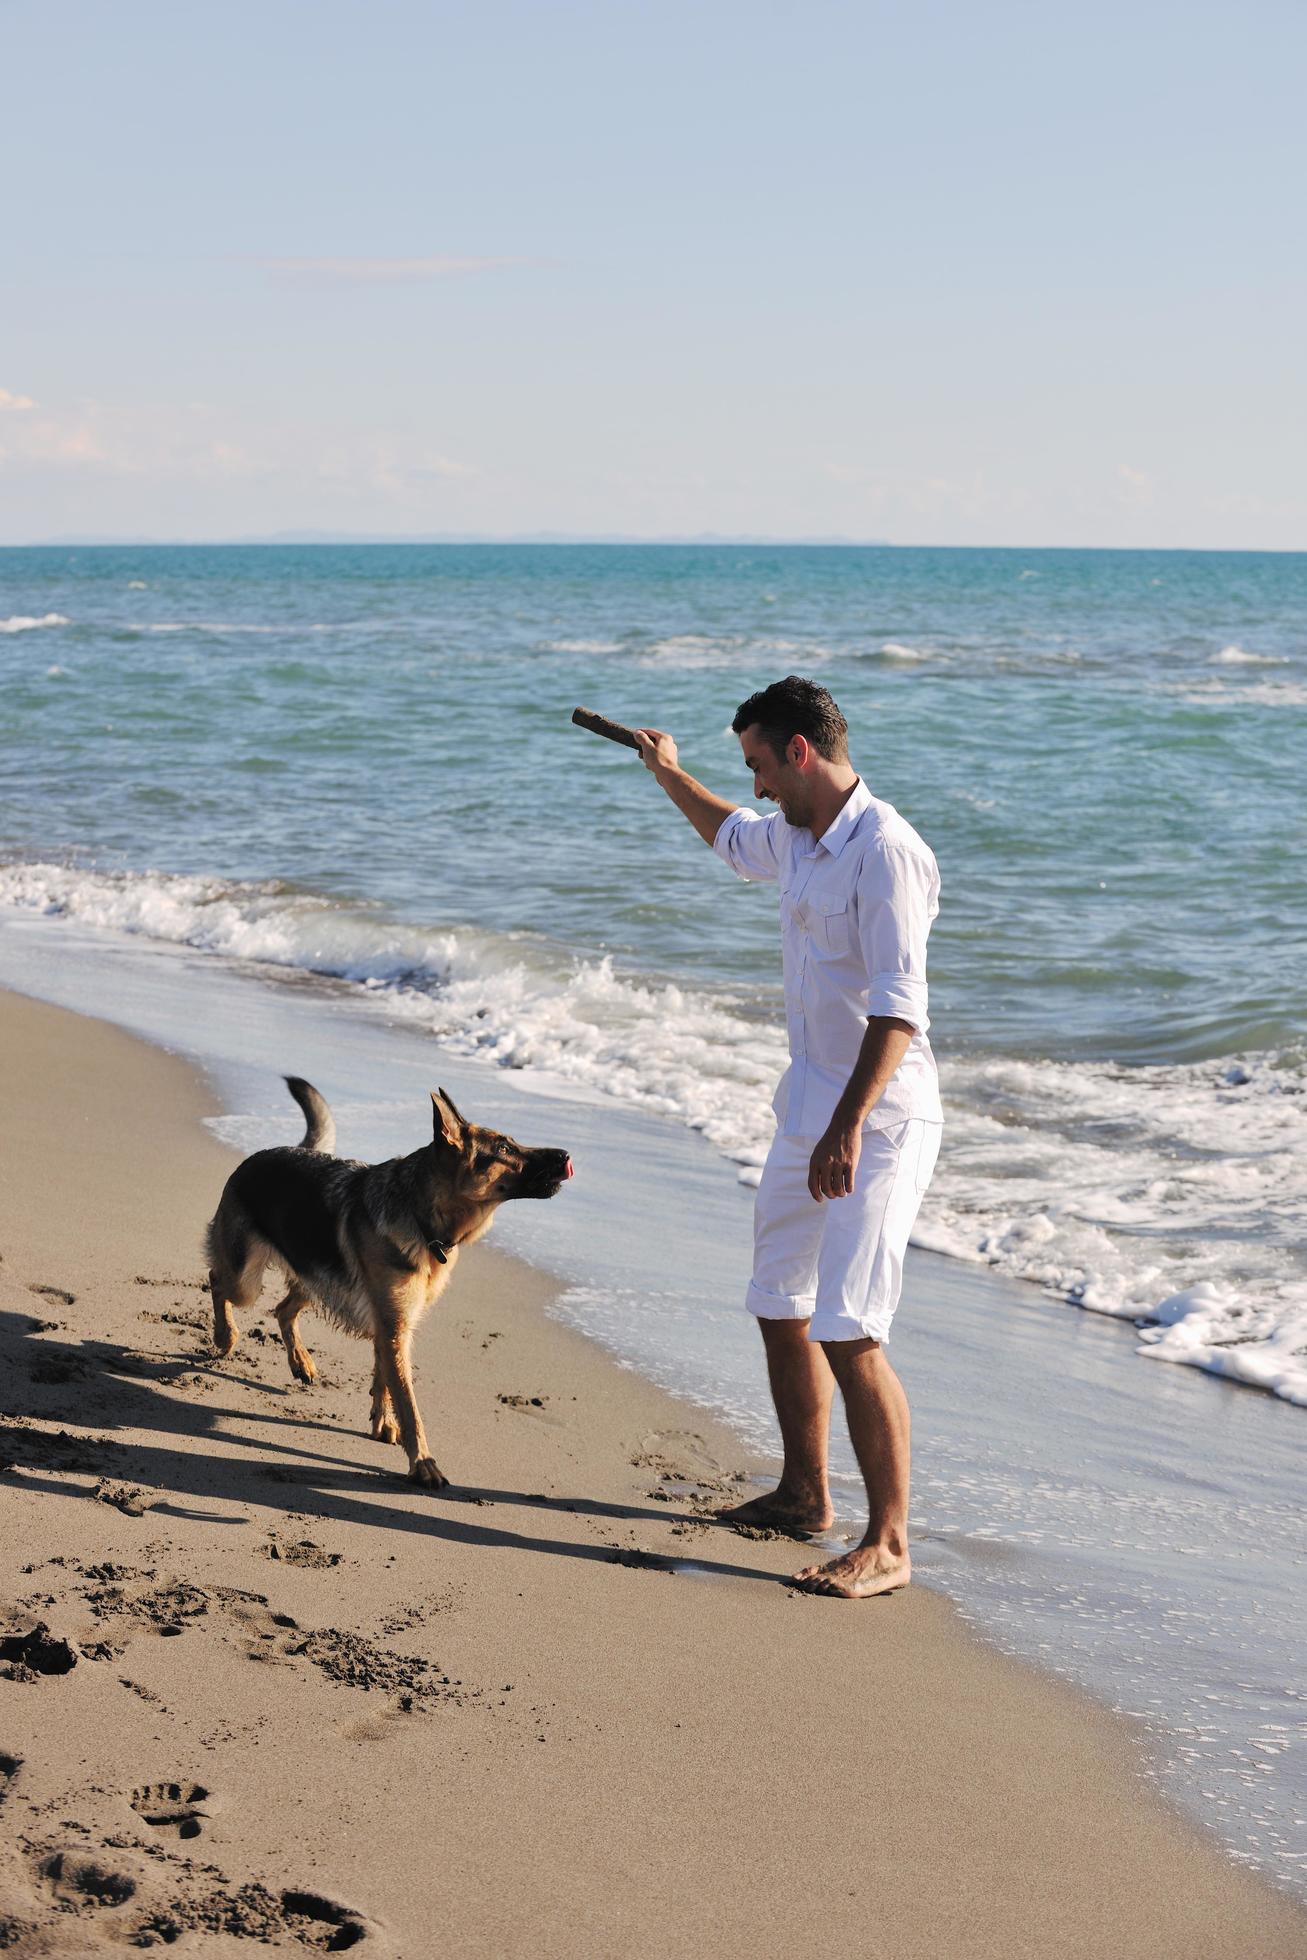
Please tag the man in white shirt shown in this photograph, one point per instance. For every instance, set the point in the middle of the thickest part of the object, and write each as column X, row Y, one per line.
column 858, row 1111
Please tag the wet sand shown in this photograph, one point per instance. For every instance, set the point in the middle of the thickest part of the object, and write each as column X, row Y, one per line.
column 284, row 1697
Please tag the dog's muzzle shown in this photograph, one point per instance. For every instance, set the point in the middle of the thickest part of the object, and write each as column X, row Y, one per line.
column 549, row 1171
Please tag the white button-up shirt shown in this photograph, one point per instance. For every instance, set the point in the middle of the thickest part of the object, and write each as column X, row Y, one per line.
column 856, row 908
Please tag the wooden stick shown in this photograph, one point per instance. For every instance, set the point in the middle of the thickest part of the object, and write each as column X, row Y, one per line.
column 613, row 731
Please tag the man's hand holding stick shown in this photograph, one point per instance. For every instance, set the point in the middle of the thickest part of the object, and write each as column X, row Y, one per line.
column 657, row 751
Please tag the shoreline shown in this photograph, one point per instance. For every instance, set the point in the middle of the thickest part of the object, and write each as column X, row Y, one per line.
column 644, row 1646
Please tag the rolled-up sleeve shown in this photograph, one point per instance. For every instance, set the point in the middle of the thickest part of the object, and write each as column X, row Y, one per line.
column 749, row 842
column 897, row 897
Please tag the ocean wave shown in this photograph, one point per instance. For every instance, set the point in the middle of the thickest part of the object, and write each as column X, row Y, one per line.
column 707, row 652
column 582, row 646
column 1242, row 694
column 237, row 627
column 1173, row 1196
column 1237, row 657
column 702, row 1059
column 23, row 623
column 694, row 652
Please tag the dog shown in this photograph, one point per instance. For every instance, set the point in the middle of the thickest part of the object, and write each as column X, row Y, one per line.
column 370, row 1245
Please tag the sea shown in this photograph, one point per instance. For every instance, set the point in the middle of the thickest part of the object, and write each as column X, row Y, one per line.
column 322, row 808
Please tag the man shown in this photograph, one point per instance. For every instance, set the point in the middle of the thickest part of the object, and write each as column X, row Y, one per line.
column 858, row 1111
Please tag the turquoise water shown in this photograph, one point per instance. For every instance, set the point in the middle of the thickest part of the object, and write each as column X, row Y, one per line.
column 358, row 762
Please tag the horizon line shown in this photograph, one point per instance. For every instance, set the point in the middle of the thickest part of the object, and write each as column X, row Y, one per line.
column 701, row 539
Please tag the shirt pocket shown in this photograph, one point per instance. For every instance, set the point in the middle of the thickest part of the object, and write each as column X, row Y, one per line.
column 828, row 924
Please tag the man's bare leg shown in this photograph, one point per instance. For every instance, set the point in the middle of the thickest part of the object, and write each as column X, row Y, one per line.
column 880, row 1429
column 802, row 1389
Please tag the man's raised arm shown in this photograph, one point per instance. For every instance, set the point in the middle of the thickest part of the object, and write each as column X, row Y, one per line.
column 704, row 810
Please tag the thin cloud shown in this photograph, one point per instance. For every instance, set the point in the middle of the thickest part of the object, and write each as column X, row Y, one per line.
column 1136, row 486
column 378, row 272
column 14, row 403
column 198, row 444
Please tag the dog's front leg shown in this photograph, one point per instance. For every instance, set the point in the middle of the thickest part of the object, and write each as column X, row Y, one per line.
column 288, row 1312
column 393, row 1340
column 384, row 1427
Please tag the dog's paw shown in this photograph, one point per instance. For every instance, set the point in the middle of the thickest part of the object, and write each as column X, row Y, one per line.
column 302, row 1366
column 385, row 1432
column 427, row 1471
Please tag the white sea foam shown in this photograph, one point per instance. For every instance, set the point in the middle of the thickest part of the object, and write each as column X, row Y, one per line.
column 583, row 646
column 24, row 623
column 1237, row 657
column 1240, row 694
column 705, row 652
column 1276, row 694
column 692, row 652
column 894, row 650
column 1174, row 1196
column 225, row 627
column 701, row 1059
column 257, row 629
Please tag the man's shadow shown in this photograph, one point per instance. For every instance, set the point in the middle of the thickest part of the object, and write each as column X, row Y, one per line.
column 104, row 1386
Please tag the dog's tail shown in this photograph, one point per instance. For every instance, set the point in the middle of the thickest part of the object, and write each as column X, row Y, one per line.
column 321, row 1132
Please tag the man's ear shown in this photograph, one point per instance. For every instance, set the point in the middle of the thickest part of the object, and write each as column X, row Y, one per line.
column 448, row 1124
column 797, row 750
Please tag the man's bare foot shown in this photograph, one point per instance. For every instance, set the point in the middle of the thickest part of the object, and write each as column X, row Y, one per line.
column 774, row 1511
column 860, row 1574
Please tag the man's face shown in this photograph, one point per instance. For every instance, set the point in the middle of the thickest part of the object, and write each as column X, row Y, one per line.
column 777, row 779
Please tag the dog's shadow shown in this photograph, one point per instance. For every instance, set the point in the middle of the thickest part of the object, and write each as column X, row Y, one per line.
column 102, row 1385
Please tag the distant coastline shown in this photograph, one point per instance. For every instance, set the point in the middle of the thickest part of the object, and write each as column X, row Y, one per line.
column 707, row 540
column 336, row 538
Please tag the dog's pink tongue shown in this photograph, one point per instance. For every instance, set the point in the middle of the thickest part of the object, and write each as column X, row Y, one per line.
column 571, row 1169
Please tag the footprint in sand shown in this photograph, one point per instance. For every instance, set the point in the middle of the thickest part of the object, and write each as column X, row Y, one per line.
column 671, row 1450
column 251, row 1912
column 37, row 1651
column 56, row 1369
column 173, row 1809
column 302, row 1552
column 321, row 1923
column 59, row 1293
column 80, row 1880
column 9, row 1768
column 132, row 1501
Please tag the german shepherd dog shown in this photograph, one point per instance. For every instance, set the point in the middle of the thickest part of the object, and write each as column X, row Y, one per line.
column 370, row 1245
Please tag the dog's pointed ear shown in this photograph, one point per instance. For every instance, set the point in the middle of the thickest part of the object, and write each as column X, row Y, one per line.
column 448, row 1124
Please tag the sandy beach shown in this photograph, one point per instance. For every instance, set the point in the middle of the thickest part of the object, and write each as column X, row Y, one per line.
column 283, row 1697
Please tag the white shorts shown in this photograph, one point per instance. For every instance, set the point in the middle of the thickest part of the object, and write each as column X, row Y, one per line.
column 838, row 1263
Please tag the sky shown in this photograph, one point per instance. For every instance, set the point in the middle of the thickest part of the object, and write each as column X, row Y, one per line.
column 937, row 273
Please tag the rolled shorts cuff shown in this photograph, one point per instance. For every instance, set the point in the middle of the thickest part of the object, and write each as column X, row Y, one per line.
column 825, row 1326
column 778, row 1306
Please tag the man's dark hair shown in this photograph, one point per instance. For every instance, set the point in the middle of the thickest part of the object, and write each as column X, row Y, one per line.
column 795, row 707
